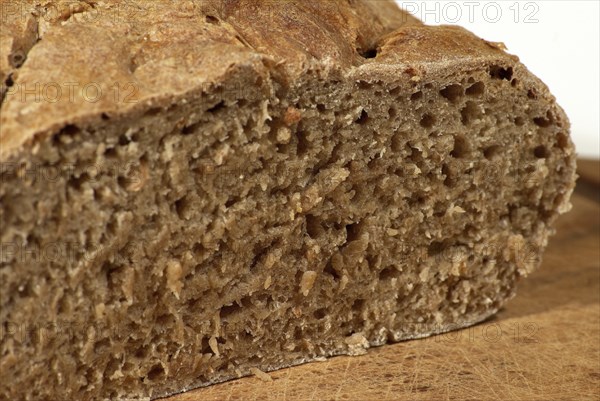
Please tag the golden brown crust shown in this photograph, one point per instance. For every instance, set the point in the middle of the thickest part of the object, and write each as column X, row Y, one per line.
column 440, row 44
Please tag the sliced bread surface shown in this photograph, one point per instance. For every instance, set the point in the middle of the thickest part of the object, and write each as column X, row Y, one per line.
column 193, row 191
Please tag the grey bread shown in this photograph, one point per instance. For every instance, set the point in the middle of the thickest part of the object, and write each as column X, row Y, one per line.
column 224, row 186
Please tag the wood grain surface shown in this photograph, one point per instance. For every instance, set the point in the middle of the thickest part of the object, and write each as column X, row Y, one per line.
column 544, row 345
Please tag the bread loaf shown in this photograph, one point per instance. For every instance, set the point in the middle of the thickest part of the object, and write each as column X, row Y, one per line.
column 192, row 191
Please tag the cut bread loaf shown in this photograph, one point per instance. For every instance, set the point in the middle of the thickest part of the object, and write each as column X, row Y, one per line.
column 194, row 190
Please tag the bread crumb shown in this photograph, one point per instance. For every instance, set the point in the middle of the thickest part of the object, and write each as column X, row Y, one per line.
column 344, row 282
column 284, row 135
column 355, row 250
column 337, row 262
column 264, row 184
column 452, row 210
column 357, row 344
column 261, row 375
column 297, row 311
column 307, row 281
column 292, row 116
column 138, row 178
column 220, row 154
column 117, row 374
column 100, row 308
column 168, row 151
column 127, row 285
column 174, row 273
column 424, row 275
column 214, row 346
column 217, row 324
column 331, row 178
column 271, row 259
column 267, row 282
column 310, row 199
column 295, row 202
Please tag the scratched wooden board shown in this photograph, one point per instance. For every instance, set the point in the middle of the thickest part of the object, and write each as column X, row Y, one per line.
column 544, row 345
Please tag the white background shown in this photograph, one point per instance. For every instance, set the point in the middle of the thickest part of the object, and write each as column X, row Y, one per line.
column 557, row 40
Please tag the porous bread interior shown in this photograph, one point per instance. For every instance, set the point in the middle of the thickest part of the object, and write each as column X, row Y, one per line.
column 236, row 230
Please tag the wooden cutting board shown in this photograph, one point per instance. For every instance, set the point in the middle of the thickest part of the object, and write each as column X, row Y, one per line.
column 544, row 345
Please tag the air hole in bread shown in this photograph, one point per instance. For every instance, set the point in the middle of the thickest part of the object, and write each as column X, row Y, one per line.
column 68, row 130
column 9, row 81
column 353, row 232
column 331, row 271
column 452, row 92
column 358, row 305
column 540, row 152
column 364, row 85
column 476, row 89
column 216, row 107
column 435, row 248
column 320, row 313
column 314, row 229
column 389, row 273
column 304, row 144
column 76, row 182
column 491, row 151
column 154, row 111
column 369, row 53
column 190, row 129
column 227, row 312
column 363, row 118
column 499, row 72
column 398, row 141
column 416, row 96
column 395, row 91
column 156, row 373
column 449, row 179
column 461, row 147
column 181, row 207
column 542, row 122
column 427, row 121
column 212, row 20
